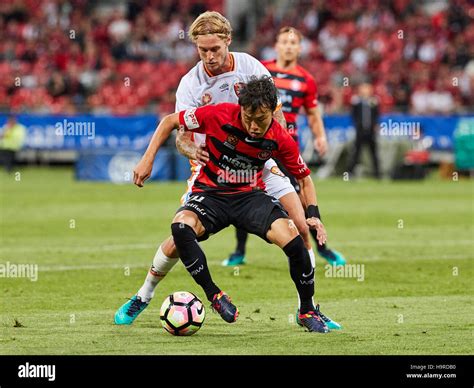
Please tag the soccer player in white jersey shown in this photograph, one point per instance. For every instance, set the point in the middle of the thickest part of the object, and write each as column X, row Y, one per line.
column 216, row 78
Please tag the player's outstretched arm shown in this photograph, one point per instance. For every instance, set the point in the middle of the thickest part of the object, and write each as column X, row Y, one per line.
column 309, row 200
column 316, row 124
column 186, row 146
column 143, row 169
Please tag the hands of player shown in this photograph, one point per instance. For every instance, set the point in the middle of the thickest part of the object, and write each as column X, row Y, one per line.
column 201, row 155
column 321, row 145
column 142, row 171
column 315, row 223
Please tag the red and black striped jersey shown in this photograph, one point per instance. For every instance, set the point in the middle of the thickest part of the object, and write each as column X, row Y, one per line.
column 236, row 159
column 297, row 88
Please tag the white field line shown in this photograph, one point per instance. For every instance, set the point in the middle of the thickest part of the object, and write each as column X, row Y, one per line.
column 91, row 248
column 333, row 243
column 60, row 268
column 367, row 260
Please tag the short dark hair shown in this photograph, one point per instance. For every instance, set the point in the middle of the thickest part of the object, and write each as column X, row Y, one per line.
column 259, row 93
column 291, row 30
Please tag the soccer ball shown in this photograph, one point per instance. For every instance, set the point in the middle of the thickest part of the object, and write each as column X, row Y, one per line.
column 182, row 313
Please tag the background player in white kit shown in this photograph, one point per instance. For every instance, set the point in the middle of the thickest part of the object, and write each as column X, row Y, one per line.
column 216, row 78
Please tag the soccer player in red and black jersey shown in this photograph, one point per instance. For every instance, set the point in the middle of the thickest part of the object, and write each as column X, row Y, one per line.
column 229, row 190
column 297, row 89
column 296, row 86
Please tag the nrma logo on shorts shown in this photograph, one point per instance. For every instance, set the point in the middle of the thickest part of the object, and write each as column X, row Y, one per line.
column 37, row 371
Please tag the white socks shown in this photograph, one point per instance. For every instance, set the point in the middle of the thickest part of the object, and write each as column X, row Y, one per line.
column 313, row 259
column 162, row 264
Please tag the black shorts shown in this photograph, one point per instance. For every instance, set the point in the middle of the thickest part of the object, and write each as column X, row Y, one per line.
column 254, row 211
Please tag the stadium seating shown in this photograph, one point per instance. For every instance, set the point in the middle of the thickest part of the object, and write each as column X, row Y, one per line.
column 83, row 56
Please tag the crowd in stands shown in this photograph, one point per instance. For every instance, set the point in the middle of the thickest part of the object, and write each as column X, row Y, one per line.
column 71, row 56
column 419, row 59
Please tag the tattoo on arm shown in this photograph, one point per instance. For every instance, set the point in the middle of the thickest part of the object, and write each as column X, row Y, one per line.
column 185, row 144
column 278, row 116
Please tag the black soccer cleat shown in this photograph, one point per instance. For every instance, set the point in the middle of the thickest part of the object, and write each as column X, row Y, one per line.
column 312, row 322
column 223, row 305
column 332, row 325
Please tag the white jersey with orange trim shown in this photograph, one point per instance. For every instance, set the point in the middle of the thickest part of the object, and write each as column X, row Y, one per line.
column 199, row 87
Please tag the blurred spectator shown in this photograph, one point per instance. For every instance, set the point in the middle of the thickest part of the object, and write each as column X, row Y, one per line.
column 12, row 138
column 365, row 115
column 57, row 85
column 420, row 100
column 81, row 54
column 401, row 45
column 333, row 43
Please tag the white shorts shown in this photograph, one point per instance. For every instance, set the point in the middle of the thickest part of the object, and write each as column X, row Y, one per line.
column 277, row 184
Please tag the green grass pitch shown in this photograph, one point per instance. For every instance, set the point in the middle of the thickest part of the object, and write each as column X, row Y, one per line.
column 93, row 244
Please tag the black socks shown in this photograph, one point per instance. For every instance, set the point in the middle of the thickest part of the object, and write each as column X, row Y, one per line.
column 241, row 241
column 193, row 257
column 302, row 272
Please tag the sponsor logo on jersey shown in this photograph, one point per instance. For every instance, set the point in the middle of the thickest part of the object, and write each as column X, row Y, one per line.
column 275, row 170
column 231, row 141
column 206, row 99
column 238, row 162
column 190, row 119
column 264, row 155
column 295, row 85
column 238, row 87
column 224, row 87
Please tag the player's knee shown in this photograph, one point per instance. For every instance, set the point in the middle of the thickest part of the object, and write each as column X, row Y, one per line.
column 292, row 228
column 182, row 232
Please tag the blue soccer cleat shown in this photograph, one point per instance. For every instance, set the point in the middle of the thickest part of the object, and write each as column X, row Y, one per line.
column 129, row 311
column 234, row 259
column 332, row 257
column 222, row 304
column 332, row 325
column 312, row 322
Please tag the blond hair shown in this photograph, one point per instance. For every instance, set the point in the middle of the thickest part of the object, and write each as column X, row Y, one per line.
column 210, row 22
